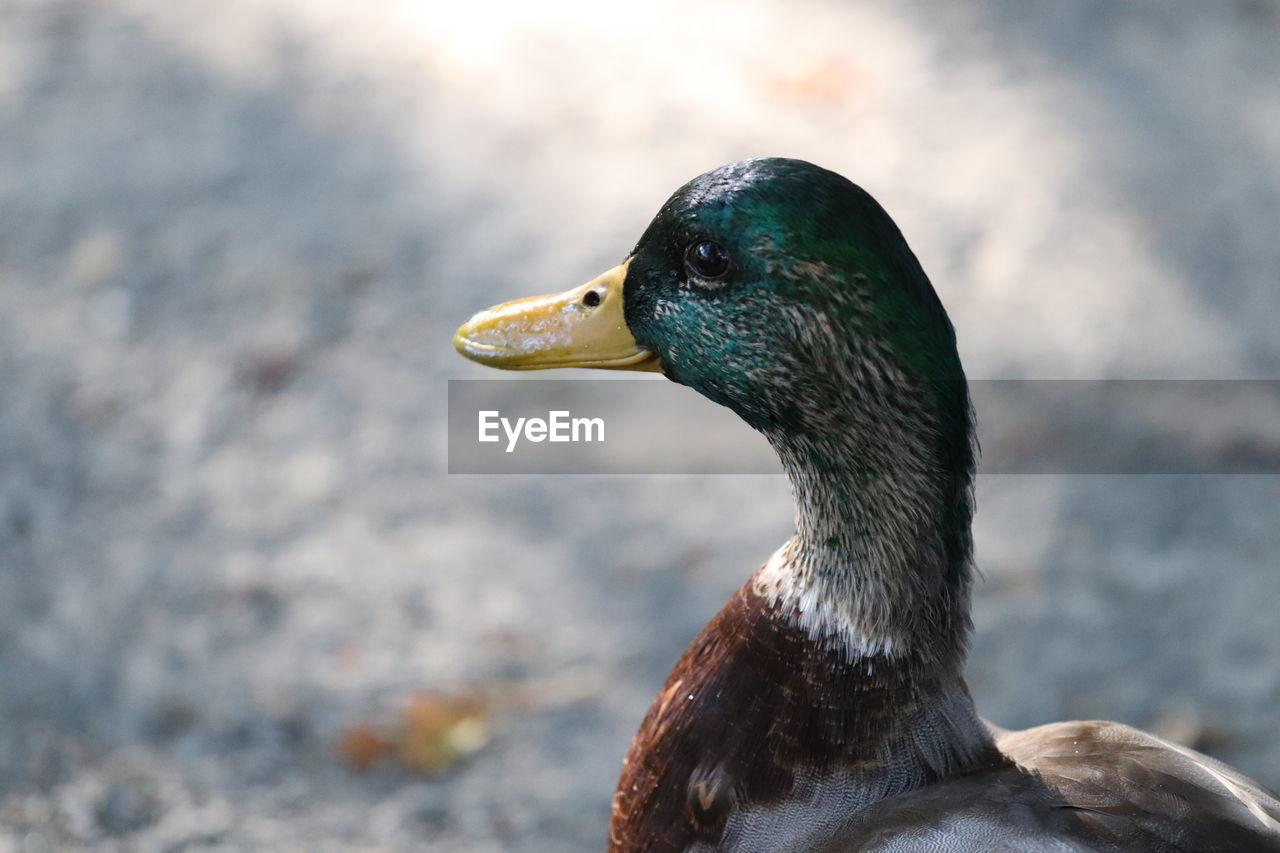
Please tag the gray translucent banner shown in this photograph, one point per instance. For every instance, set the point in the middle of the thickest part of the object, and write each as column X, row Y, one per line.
column 653, row 426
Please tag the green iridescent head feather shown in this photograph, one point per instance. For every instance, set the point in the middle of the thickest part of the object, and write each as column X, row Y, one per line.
column 823, row 300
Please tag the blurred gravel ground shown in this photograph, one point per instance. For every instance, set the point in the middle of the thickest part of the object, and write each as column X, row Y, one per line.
column 236, row 236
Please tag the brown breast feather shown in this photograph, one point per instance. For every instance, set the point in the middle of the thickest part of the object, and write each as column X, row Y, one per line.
column 751, row 703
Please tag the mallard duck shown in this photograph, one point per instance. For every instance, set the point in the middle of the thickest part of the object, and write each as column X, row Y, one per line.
column 825, row 708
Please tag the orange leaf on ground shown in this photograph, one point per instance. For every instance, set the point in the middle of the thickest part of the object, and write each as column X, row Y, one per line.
column 361, row 746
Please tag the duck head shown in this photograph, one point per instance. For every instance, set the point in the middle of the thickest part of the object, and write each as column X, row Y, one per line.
column 767, row 285
column 785, row 292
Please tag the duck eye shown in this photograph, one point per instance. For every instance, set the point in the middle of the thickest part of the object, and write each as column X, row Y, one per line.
column 706, row 259
column 591, row 298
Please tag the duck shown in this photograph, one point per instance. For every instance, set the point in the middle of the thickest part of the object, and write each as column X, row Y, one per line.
column 824, row 709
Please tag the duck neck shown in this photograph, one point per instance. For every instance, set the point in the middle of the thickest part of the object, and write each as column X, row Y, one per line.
column 880, row 559
column 873, row 559
column 879, row 569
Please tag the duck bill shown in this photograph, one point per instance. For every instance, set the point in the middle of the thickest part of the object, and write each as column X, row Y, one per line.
column 583, row 327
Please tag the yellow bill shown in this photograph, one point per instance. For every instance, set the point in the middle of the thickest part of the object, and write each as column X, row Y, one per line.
column 583, row 327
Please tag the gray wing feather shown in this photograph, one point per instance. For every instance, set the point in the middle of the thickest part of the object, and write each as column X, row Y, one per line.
column 1083, row 786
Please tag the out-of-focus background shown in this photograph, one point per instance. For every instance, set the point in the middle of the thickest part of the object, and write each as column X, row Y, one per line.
column 243, row 607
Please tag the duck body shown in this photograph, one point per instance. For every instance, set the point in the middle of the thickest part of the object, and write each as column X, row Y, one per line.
column 824, row 709
column 754, row 744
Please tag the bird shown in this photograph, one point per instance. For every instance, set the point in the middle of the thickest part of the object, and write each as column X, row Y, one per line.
column 824, row 709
